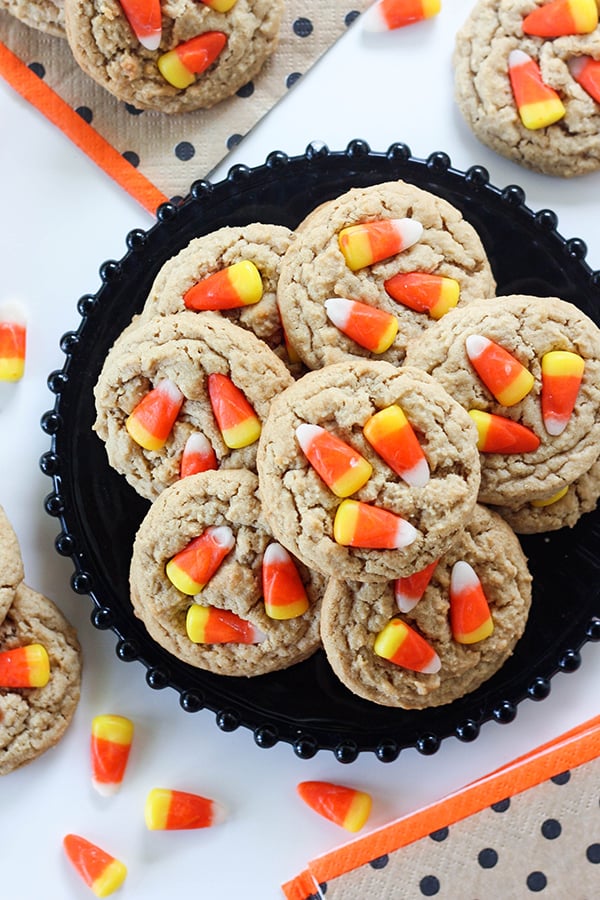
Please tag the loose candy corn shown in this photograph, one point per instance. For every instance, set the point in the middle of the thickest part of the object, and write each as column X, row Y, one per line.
column 470, row 617
column 209, row 625
column 586, row 72
column 362, row 525
column 502, row 374
column 13, row 339
column 169, row 810
column 343, row 805
column 548, row 501
column 562, row 17
column 389, row 14
column 403, row 646
column 409, row 589
column 152, row 420
column 110, row 745
column 424, row 292
column 194, row 566
column 237, row 421
column 25, row 667
column 370, row 242
column 237, row 285
column 562, row 372
column 98, row 869
column 370, row 327
column 197, row 456
column 537, row 103
column 340, row 466
column 145, row 19
column 499, row 435
column 220, row 5
column 284, row 594
column 181, row 65
column 390, row 433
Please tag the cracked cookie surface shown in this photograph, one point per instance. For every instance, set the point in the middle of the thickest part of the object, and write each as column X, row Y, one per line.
column 43, row 15
column 11, row 564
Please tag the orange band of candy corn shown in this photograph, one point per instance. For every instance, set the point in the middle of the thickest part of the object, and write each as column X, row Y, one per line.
column 502, row 374
column 369, row 327
column 181, row 65
column 362, row 525
column 237, row 285
column 238, row 423
column 562, row 372
column 98, row 869
column 409, row 589
column 343, row 805
column 13, row 337
column 145, row 19
column 537, row 103
column 152, row 420
column 25, row 667
column 497, row 434
column 400, row 644
column 340, row 466
column 193, row 567
column 370, row 242
column 562, row 17
column 391, row 435
column 470, row 617
column 209, row 625
column 284, row 594
column 170, row 810
column 586, row 72
column 424, row 292
column 198, row 456
column 110, row 747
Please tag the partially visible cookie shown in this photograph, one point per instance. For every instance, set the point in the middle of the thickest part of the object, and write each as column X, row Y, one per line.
column 11, row 564
column 182, row 513
column 354, row 614
column 43, row 15
column 32, row 720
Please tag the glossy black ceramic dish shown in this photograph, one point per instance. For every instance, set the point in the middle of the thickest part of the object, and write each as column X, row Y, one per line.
column 306, row 706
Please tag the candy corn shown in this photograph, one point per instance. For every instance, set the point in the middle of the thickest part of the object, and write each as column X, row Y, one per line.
column 98, row 869
column 181, row 65
column 169, row 810
column 562, row 372
column 389, row 14
column 502, row 374
column 237, row 285
column 370, row 242
column 237, row 421
column 193, row 567
column 340, row 466
column 13, row 339
column 409, row 589
column 402, row 645
column 145, row 19
column 424, row 292
column 370, row 327
column 110, row 745
column 561, row 17
column 209, row 625
column 470, row 617
column 343, row 805
column 152, row 420
column 538, row 504
column 499, row 435
column 284, row 594
column 586, row 72
column 362, row 525
column 25, row 667
column 390, row 433
column 197, row 456
column 220, row 5
column 537, row 103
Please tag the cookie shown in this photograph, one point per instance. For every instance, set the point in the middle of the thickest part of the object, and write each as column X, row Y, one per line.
column 311, row 520
column 568, row 146
column 185, row 350
column 32, row 720
column 11, row 564
column 354, row 613
column 315, row 271
column 528, row 328
column 43, row 15
column 182, row 513
column 106, row 47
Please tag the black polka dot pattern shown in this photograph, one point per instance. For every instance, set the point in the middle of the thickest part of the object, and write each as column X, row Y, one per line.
column 85, row 113
column 184, row 151
column 132, row 158
column 536, row 881
column 487, row 858
column 38, row 69
column 429, row 886
column 303, row 27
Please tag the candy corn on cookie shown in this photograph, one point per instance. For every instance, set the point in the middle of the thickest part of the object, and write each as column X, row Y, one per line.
column 11, row 564
column 375, row 267
column 172, row 58
column 213, row 586
column 43, row 15
column 367, row 471
column 447, row 645
column 527, row 82
column 173, row 377
column 527, row 369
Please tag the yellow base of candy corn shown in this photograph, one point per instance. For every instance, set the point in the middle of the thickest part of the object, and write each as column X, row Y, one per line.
column 518, row 389
column 141, row 436
column 285, row 611
column 11, row 369
column 181, row 580
column 112, row 878
column 242, row 435
column 550, row 500
column 449, row 295
column 542, row 114
column 359, row 812
column 173, row 70
column 480, row 634
column 352, row 480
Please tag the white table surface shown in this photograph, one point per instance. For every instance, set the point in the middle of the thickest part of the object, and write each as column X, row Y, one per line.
column 62, row 217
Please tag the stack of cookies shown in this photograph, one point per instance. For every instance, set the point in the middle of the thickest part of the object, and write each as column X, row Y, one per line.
column 340, row 429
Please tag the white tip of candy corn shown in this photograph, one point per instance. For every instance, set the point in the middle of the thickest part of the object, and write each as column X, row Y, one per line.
column 306, row 434
column 418, row 476
column 475, row 344
column 409, row 230
column 517, row 58
column 338, row 310
column 151, row 41
column 405, row 534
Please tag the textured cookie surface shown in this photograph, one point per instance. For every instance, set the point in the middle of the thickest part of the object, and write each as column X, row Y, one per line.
column 314, row 269
column 483, row 92
column 180, row 514
column 11, row 564
column 301, row 508
column 106, row 48
column 43, row 15
column 32, row 720
column 353, row 614
column 527, row 327
column 186, row 348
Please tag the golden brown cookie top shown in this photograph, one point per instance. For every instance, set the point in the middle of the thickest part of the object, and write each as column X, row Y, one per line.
column 11, row 564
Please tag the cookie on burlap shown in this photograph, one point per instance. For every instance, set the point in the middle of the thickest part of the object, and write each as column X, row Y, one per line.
column 314, row 269
column 182, row 513
column 568, row 147
column 341, row 398
column 106, row 48
column 32, row 720
column 43, row 15
column 528, row 328
column 185, row 348
column 353, row 614
column 11, row 564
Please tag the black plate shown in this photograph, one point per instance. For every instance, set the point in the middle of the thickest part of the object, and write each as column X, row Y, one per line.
column 306, row 705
